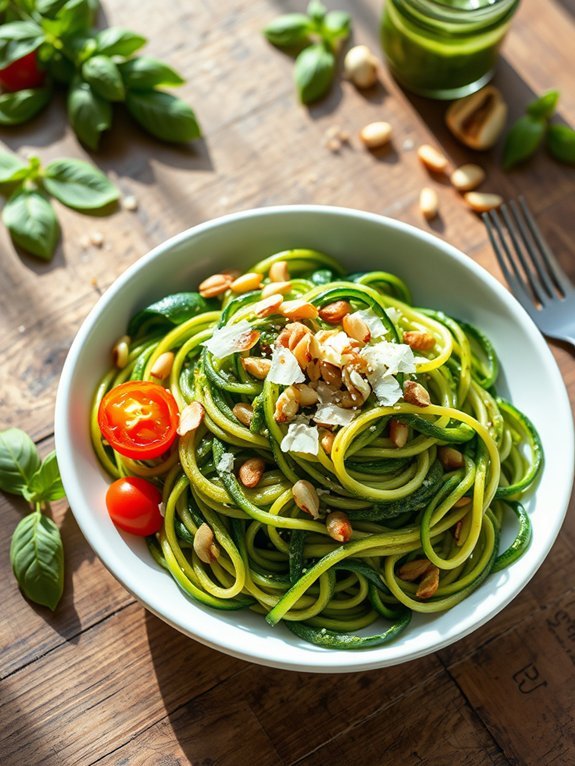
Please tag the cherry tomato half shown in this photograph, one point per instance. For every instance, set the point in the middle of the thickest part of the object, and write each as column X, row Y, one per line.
column 139, row 419
column 133, row 505
column 22, row 73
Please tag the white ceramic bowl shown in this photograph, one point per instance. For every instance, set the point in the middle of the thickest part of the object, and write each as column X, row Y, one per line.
column 440, row 277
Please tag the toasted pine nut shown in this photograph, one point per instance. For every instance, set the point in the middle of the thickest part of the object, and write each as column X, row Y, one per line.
column 307, row 395
column 376, row 134
column 331, row 374
column 430, row 583
column 162, row 366
column 247, row 282
column 415, row 393
column 333, row 313
column 398, row 433
column 302, row 352
column 480, row 202
column 256, row 366
column 291, row 335
column 248, row 340
column 360, row 66
column 121, row 351
column 268, row 306
column 338, row 526
column 251, row 471
column 244, row 412
column 313, row 370
column 204, row 544
column 279, row 271
column 413, row 570
column 190, row 418
column 356, row 328
column 432, row 158
column 467, row 177
column 298, row 309
column 306, row 497
column 450, row 458
column 428, row 203
column 215, row 285
column 287, row 405
column 478, row 119
column 420, row 341
column 276, row 288
column 326, row 440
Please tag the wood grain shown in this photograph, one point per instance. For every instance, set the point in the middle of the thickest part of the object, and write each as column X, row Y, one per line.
column 103, row 682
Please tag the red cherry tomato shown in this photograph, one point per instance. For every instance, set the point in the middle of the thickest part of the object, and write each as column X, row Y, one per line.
column 22, row 73
column 139, row 419
column 133, row 505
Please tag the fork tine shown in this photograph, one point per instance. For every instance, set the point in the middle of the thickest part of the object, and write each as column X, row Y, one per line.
column 513, row 234
column 557, row 273
column 534, row 255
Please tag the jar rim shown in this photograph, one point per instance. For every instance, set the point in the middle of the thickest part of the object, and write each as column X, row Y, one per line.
column 442, row 11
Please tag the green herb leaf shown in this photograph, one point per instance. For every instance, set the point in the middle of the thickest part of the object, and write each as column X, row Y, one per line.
column 19, row 460
column 32, row 223
column 104, row 77
column 12, row 168
column 336, row 27
column 17, row 39
column 544, row 107
column 37, row 558
column 163, row 115
column 171, row 310
column 116, row 41
column 289, row 31
column 80, row 47
column 145, row 73
column 314, row 71
column 561, row 143
column 89, row 114
column 79, row 185
column 46, row 484
column 60, row 68
column 316, row 10
column 64, row 17
column 21, row 106
column 522, row 140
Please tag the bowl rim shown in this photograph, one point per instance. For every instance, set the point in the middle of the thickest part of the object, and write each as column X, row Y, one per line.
column 326, row 661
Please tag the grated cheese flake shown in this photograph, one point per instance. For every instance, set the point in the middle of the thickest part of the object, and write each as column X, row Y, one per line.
column 229, row 339
column 333, row 415
column 373, row 322
column 389, row 358
column 334, row 346
column 301, row 438
column 226, row 463
column 285, row 368
column 386, row 389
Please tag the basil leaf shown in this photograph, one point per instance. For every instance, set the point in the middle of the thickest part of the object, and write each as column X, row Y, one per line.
column 316, row 10
column 37, row 558
column 561, row 143
column 336, row 27
column 64, row 17
column 522, row 140
column 21, row 106
column 544, row 107
column 289, row 31
column 17, row 39
column 19, row 460
column 89, row 114
column 163, row 115
column 78, row 185
column 144, row 73
column 12, row 168
column 314, row 71
column 60, row 68
column 46, row 484
column 104, row 77
column 32, row 223
column 173, row 310
column 116, row 41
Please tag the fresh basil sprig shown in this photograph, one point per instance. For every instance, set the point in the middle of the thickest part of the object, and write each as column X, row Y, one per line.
column 533, row 128
column 36, row 550
column 98, row 69
column 315, row 37
column 28, row 213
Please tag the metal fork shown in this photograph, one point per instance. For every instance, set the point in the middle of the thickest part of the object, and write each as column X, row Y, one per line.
column 532, row 272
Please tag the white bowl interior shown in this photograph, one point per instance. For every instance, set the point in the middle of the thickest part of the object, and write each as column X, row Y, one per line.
column 440, row 277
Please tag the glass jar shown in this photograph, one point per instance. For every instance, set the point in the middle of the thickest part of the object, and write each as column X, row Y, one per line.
column 444, row 48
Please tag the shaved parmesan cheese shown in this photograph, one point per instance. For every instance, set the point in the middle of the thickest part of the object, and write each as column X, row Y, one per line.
column 285, row 368
column 229, row 339
column 226, row 463
column 301, row 438
column 374, row 324
column 393, row 313
column 332, row 348
column 386, row 388
column 332, row 415
column 389, row 358
column 325, row 392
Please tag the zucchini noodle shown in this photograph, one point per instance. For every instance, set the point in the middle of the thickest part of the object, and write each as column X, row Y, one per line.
column 352, row 462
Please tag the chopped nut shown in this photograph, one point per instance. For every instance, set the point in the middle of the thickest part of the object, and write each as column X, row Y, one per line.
column 204, row 544
column 244, row 412
column 302, row 351
column 479, row 119
column 481, row 203
column 256, row 366
column 398, row 433
column 291, row 335
column 247, row 282
column 251, row 471
column 338, row 526
column 420, row 341
column 287, row 405
column 428, row 203
column 333, row 313
column 268, row 306
column 331, row 374
column 358, row 388
column 413, row 570
column 450, row 458
column 415, row 393
column 467, row 177
column 121, row 351
column 162, row 366
column 298, row 309
column 215, row 285
column 432, row 158
column 130, row 203
column 97, row 238
column 279, row 271
column 190, row 418
column 360, row 66
column 307, row 395
column 356, row 328
column 376, row 134
column 326, row 440
column 333, row 144
column 313, row 370
column 430, row 583
column 276, row 288
column 248, row 340
column 306, row 497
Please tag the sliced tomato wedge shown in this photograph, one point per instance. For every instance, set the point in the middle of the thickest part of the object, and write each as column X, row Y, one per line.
column 139, row 419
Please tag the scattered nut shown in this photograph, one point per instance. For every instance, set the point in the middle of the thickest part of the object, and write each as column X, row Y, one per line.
column 333, row 313
column 130, row 203
column 306, row 497
column 430, row 583
column 360, row 66
column 190, row 418
column 450, row 458
column 478, row 120
column 298, row 309
column 481, row 202
column 247, row 282
column 420, row 341
column 413, row 570
column 279, row 271
column 276, row 288
column 287, row 405
column 432, row 158
column 415, row 393
column 307, row 395
column 121, row 351
column 251, row 471
column 97, row 238
column 356, row 328
column 244, row 412
column 331, row 374
column 398, row 433
column 326, row 440
column 467, row 177
column 268, row 306
column 162, row 366
column 256, row 366
column 428, row 203
column 215, row 285
column 376, row 134
column 204, row 544
column 338, row 526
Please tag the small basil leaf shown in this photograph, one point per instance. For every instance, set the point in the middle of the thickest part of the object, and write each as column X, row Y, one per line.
column 163, row 115
column 21, row 106
column 75, row 16
column 116, row 41
column 104, row 77
column 12, row 168
column 79, row 185
column 32, row 223
column 46, row 484
column 145, row 73
column 19, row 460
column 313, row 72
column 544, row 107
column 336, row 27
column 49, row 8
column 37, row 558
column 60, row 68
column 17, row 39
column 316, row 10
column 289, row 31
column 522, row 140
column 89, row 114
column 80, row 47
column 173, row 309
column 561, row 143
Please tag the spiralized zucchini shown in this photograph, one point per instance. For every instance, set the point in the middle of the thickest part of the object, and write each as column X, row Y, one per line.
column 365, row 481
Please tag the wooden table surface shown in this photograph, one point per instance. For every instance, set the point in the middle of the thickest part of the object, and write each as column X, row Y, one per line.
column 102, row 680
